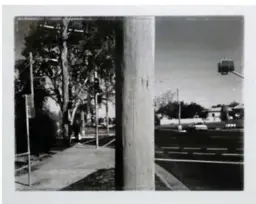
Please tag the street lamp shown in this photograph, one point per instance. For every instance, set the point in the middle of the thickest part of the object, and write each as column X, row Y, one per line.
column 226, row 66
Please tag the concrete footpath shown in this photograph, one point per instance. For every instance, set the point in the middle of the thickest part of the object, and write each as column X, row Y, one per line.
column 76, row 163
column 67, row 167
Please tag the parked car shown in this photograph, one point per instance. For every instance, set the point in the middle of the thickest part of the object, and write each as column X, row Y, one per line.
column 200, row 126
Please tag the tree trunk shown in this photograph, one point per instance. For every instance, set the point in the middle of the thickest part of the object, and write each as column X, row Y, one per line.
column 107, row 118
column 65, row 81
column 135, row 107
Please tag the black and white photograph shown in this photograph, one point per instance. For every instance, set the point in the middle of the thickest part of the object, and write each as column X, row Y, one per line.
column 129, row 103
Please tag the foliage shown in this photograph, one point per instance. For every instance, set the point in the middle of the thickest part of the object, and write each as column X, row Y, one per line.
column 89, row 51
column 187, row 110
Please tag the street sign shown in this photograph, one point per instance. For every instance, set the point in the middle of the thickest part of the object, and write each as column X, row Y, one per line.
column 30, row 106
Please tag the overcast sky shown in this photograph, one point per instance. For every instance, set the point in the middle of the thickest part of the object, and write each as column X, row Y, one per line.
column 187, row 53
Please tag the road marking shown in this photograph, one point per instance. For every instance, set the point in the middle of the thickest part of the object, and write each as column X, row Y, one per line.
column 170, row 147
column 216, row 148
column 192, row 148
column 159, row 152
column 199, row 161
column 203, row 153
column 177, row 152
column 89, row 141
column 110, row 142
column 231, row 154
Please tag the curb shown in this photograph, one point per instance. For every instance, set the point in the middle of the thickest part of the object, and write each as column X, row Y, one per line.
column 169, row 180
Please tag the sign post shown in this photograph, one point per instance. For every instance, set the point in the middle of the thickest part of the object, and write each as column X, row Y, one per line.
column 28, row 107
column 31, row 100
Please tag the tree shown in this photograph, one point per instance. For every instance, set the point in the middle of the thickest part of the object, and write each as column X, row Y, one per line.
column 41, row 126
column 233, row 104
column 224, row 113
column 65, row 79
column 187, row 110
column 164, row 99
column 65, row 59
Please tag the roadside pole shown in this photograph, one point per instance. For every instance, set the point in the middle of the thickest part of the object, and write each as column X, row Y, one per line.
column 179, row 114
column 27, row 98
column 31, row 84
column 96, row 120
column 135, row 165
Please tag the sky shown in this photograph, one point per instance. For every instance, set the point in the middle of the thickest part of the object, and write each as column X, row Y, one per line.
column 187, row 53
column 187, row 50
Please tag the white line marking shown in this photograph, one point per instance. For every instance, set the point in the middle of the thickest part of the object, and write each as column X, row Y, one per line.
column 203, row 153
column 89, row 141
column 231, row 154
column 217, row 148
column 177, row 152
column 110, row 142
column 197, row 161
column 170, row 147
column 159, row 152
column 192, row 148
column 164, row 181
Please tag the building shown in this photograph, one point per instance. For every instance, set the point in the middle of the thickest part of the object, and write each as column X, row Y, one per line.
column 238, row 111
column 214, row 114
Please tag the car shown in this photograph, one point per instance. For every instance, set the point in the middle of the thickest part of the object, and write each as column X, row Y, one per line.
column 200, row 126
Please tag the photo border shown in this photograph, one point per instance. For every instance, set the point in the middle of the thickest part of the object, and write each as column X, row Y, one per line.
column 12, row 196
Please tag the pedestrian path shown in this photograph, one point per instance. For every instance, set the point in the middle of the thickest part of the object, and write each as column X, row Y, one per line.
column 67, row 167
column 76, row 163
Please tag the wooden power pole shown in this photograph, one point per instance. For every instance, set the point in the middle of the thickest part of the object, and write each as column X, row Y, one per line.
column 134, row 105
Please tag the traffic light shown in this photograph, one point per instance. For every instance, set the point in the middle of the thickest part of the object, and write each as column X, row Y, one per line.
column 226, row 66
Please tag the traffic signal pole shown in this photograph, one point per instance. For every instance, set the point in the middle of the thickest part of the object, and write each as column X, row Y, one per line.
column 134, row 106
column 238, row 74
column 226, row 66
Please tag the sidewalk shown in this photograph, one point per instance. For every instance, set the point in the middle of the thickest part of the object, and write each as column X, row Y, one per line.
column 73, row 165
column 67, row 167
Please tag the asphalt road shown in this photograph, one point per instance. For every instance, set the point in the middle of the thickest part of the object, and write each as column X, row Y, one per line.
column 211, row 160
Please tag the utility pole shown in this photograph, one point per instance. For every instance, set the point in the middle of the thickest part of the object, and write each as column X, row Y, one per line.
column 134, row 105
column 179, row 113
column 31, row 84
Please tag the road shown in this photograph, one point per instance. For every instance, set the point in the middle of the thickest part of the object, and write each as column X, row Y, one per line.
column 211, row 160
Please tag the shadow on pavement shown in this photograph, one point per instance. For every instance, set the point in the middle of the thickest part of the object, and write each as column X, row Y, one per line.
column 103, row 180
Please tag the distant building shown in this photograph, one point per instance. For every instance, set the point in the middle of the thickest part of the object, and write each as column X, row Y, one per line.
column 214, row 114
column 238, row 111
